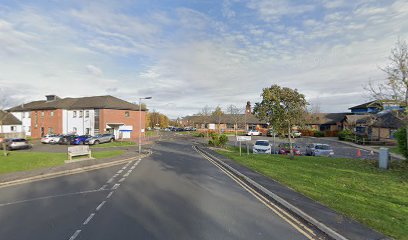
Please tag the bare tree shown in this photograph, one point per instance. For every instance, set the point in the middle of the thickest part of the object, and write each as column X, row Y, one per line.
column 396, row 85
column 218, row 114
column 204, row 115
column 236, row 116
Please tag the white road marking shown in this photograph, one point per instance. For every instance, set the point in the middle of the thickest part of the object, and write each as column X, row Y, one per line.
column 75, row 235
column 124, row 167
column 103, row 187
column 132, row 167
column 126, row 174
column 100, row 206
column 120, row 171
column 122, row 179
column 89, row 218
column 130, row 171
column 117, row 174
column 115, row 186
column 109, row 195
column 110, row 180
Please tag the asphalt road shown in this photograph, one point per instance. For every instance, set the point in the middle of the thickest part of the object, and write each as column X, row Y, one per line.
column 173, row 194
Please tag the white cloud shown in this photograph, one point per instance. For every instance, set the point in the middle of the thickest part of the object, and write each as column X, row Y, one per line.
column 93, row 70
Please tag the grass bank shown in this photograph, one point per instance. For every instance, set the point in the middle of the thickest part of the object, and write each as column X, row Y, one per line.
column 114, row 144
column 23, row 161
column 355, row 188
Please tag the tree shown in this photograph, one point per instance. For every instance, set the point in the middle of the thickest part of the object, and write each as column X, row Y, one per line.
column 396, row 86
column 283, row 108
column 236, row 116
column 218, row 114
column 204, row 116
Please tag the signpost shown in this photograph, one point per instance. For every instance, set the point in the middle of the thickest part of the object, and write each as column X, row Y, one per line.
column 243, row 139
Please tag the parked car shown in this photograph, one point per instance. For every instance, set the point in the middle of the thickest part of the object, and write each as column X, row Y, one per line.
column 262, row 146
column 49, row 138
column 254, row 133
column 100, row 138
column 80, row 139
column 295, row 134
column 66, row 139
column 318, row 149
column 15, row 143
column 284, row 148
column 271, row 133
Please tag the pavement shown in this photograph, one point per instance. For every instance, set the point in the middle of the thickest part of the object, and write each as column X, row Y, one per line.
column 172, row 194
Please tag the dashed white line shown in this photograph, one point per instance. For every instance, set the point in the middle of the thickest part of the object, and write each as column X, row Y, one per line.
column 75, row 235
column 122, row 179
column 115, row 186
column 126, row 174
column 100, row 206
column 120, row 171
column 103, row 187
column 109, row 195
column 89, row 218
column 132, row 167
column 110, row 180
column 130, row 171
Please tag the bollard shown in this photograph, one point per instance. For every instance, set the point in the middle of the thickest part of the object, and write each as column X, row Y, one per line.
column 384, row 158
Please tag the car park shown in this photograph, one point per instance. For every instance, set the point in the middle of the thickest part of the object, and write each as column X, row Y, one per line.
column 254, row 133
column 49, row 138
column 318, row 149
column 66, row 139
column 15, row 143
column 262, row 146
column 101, row 138
column 80, row 139
column 284, row 148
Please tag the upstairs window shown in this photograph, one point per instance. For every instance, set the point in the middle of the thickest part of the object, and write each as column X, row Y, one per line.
column 87, row 114
column 81, row 114
column 42, row 114
column 127, row 114
column 52, row 113
column 74, row 114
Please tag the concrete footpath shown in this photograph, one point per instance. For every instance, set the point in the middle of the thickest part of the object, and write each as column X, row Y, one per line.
column 339, row 223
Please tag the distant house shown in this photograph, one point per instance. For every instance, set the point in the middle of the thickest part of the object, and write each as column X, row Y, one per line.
column 377, row 106
column 357, row 123
column 325, row 121
column 384, row 126
column 9, row 124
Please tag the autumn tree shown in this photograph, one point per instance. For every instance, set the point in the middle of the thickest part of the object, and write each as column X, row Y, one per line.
column 217, row 115
column 204, row 116
column 395, row 87
column 283, row 108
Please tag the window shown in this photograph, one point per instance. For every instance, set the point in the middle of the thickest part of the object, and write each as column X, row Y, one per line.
column 81, row 114
column 50, row 131
column 75, row 114
column 74, row 129
column 42, row 114
column 52, row 113
column 13, row 128
column 87, row 114
column 127, row 114
column 28, row 114
column 29, row 129
column 87, row 131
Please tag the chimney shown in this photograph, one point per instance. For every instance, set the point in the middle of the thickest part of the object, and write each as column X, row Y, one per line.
column 248, row 109
column 51, row 98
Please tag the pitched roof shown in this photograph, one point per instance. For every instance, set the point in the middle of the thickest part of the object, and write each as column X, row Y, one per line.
column 388, row 120
column 324, row 118
column 226, row 118
column 359, row 119
column 7, row 118
column 96, row 102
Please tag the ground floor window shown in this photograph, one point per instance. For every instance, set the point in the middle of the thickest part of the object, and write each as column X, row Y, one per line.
column 87, row 131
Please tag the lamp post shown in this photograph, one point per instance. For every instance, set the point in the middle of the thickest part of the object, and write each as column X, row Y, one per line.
column 140, row 123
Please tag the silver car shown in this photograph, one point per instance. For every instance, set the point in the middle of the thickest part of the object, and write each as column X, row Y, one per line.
column 319, row 149
column 15, row 143
column 101, row 138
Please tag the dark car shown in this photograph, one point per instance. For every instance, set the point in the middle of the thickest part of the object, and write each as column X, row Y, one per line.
column 15, row 143
column 271, row 133
column 284, row 148
column 80, row 139
column 66, row 139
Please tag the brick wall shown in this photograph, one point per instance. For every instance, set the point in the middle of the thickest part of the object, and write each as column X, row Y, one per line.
column 119, row 116
column 46, row 121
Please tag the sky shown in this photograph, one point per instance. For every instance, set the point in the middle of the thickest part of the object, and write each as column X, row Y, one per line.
column 188, row 54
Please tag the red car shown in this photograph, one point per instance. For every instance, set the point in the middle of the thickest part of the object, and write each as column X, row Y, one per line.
column 284, row 148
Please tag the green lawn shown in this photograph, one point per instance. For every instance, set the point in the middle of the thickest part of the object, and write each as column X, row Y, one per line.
column 23, row 161
column 114, row 144
column 395, row 150
column 356, row 188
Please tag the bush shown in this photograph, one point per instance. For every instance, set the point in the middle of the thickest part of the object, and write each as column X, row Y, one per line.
column 222, row 140
column 200, row 134
column 401, row 136
column 218, row 140
column 342, row 135
column 318, row 134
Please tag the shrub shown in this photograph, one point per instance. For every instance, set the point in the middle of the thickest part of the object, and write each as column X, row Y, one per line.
column 342, row 135
column 318, row 134
column 401, row 136
column 200, row 134
column 222, row 140
column 218, row 140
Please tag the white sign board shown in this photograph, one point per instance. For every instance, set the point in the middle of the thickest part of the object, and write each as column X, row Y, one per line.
column 211, row 126
column 243, row 138
column 142, row 130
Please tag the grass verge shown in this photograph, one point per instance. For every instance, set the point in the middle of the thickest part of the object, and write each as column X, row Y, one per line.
column 114, row 144
column 355, row 188
column 23, row 161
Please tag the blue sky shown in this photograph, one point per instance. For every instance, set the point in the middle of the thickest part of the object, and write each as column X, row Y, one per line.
column 188, row 54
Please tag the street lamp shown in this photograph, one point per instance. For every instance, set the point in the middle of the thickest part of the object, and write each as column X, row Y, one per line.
column 140, row 123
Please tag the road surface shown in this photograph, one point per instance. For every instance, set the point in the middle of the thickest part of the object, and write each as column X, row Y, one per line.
column 173, row 194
